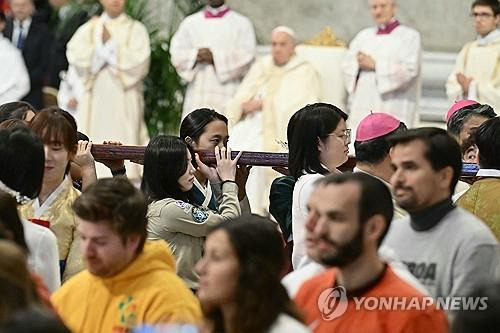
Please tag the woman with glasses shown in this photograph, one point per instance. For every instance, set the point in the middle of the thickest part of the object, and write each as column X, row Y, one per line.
column 318, row 140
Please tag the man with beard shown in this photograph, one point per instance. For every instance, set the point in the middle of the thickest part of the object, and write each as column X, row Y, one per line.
column 448, row 249
column 349, row 215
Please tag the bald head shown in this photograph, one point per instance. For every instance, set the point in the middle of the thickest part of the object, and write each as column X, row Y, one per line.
column 382, row 10
column 282, row 45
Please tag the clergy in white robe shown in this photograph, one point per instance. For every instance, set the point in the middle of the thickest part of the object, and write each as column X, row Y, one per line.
column 476, row 75
column 15, row 81
column 111, row 56
column 211, row 51
column 70, row 91
column 382, row 68
column 274, row 89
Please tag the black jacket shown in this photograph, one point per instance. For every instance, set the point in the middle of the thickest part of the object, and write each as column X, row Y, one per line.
column 36, row 50
column 62, row 31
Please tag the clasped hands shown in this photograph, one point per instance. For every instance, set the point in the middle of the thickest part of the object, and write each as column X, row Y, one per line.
column 464, row 82
column 365, row 61
column 205, row 56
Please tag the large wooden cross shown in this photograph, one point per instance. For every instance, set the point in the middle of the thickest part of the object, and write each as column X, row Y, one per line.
column 136, row 153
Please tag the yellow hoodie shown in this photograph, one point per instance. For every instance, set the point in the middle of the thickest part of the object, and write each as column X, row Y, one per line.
column 146, row 292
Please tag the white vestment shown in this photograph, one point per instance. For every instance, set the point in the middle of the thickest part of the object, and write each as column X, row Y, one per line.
column 480, row 60
column 394, row 86
column 15, row 81
column 283, row 90
column 70, row 87
column 231, row 39
column 112, row 107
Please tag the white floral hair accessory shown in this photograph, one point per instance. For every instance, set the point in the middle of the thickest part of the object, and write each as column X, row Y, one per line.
column 21, row 199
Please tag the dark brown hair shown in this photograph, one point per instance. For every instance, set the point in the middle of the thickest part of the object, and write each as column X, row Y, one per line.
column 118, row 202
column 16, row 286
column 260, row 296
column 54, row 124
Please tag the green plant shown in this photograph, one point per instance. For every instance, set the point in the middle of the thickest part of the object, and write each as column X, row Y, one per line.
column 163, row 88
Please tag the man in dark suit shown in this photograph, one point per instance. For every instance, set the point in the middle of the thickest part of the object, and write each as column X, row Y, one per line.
column 33, row 38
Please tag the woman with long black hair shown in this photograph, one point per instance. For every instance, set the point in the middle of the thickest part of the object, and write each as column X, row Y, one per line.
column 172, row 215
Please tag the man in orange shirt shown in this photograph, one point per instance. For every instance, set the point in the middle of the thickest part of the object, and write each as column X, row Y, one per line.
column 349, row 215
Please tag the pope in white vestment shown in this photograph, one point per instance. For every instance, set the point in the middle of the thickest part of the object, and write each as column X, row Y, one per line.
column 111, row 55
column 476, row 75
column 15, row 81
column 274, row 89
column 382, row 68
column 211, row 51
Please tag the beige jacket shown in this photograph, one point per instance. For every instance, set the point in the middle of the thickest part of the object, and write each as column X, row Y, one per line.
column 185, row 226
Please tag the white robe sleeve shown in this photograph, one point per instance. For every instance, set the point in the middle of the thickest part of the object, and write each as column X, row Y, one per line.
column 350, row 66
column 104, row 54
column 128, row 59
column 70, row 87
column 81, row 48
column 231, row 63
column 397, row 73
column 132, row 63
column 183, row 53
column 246, row 91
column 16, row 81
column 48, row 262
column 488, row 91
column 453, row 88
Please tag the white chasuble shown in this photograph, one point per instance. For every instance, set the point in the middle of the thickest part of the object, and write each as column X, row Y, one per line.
column 112, row 107
column 283, row 90
column 480, row 60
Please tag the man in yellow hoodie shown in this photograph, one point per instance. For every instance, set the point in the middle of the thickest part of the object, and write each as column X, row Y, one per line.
column 128, row 281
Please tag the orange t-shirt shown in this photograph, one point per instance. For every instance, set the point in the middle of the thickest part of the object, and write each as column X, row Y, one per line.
column 368, row 312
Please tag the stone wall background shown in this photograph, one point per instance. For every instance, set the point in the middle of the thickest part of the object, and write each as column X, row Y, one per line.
column 445, row 25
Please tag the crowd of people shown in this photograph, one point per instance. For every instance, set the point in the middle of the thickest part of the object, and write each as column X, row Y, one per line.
column 401, row 242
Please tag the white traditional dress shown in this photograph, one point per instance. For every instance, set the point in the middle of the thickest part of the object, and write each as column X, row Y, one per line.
column 15, row 82
column 394, row 86
column 480, row 60
column 231, row 39
column 283, row 90
column 112, row 107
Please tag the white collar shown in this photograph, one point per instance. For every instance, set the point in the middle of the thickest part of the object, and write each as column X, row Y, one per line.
column 39, row 210
column 492, row 37
column 215, row 11
column 26, row 22
column 488, row 173
column 105, row 17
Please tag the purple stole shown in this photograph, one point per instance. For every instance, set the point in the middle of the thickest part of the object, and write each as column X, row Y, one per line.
column 388, row 28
